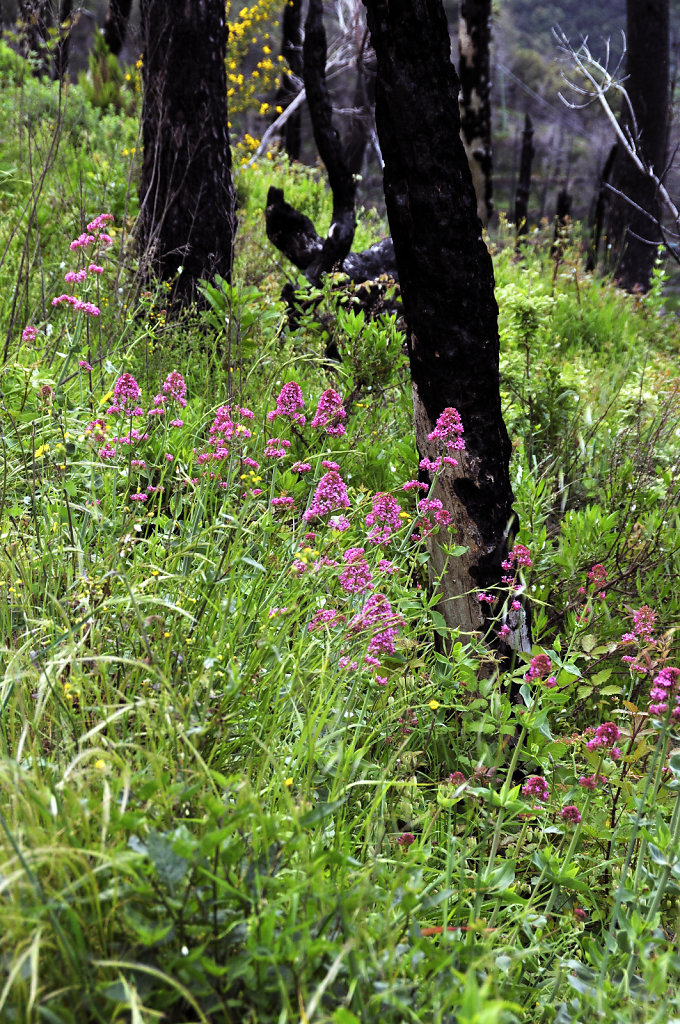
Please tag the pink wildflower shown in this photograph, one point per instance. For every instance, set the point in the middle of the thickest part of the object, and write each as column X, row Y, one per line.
column 339, row 523
column 539, row 667
column 450, row 430
column 289, row 403
column 665, row 693
column 591, row 781
column 98, row 223
column 415, row 485
column 330, row 494
column 301, row 467
column 29, row 333
column 606, row 735
column 571, row 813
column 406, row 839
column 82, row 241
column 94, row 268
column 537, row 787
column 357, row 577
column 175, row 386
column 378, row 618
column 276, row 448
column 325, row 617
column 384, row 518
column 75, row 276
column 330, row 413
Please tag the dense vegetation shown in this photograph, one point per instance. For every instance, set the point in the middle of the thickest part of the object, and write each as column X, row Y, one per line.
column 246, row 775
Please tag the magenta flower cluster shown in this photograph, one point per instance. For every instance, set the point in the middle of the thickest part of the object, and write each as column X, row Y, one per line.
column 330, row 495
column 449, row 430
column 289, row 404
column 536, row 788
column 330, row 413
column 539, row 669
column 665, row 693
column 384, row 518
column 604, row 738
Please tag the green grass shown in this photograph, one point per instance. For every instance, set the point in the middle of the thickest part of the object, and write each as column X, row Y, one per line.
column 204, row 816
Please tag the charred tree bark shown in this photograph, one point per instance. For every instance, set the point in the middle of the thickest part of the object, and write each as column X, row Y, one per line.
column 186, row 192
column 474, row 42
column 633, row 234
column 447, row 285
column 599, row 211
column 295, row 236
column 341, row 232
column 524, row 182
column 291, row 50
column 364, row 105
column 35, row 19
column 115, row 26
column 61, row 55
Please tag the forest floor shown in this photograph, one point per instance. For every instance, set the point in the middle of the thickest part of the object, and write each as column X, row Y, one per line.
column 239, row 779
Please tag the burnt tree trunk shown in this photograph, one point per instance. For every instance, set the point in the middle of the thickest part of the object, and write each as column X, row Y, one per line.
column 362, row 116
column 524, row 182
column 447, row 286
column 115, row 26
column 35, row 19
column 61, row 54
column 474, row 41
column 597, row 219
column 341, row 232
column 291, row 50
column 633, row 234
column 186, row 192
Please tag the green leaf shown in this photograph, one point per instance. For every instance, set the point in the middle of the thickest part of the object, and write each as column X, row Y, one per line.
column 170, row 866
column 344, row 1016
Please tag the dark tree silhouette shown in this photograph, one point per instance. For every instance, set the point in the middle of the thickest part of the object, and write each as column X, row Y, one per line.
column 35, row 19
column 61, row 55
column 447, row 285
column 524, row 181
column 186, row 192
column 633, row 233
column 474, row 42
column 341, row 232
column 291, row 49
column 115, row 26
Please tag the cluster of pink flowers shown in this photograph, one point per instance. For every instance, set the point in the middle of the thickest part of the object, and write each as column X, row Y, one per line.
column 325, row 617
column 665, row 693
column 378, row 618
column 448, row 429
column 384, row 518
column 591, row 781
column 226, row 426
column 642, row 635
column 126, row 393
column 77, row 304
column 539, row 668
column 518, row 558
column 289, row 403
column 330, row 494
column 440, row 517
column 29, row 333
column 604, row 738
column 276, row 448
column 330, row 413
column 536, row 788
column 357, row 577
column 571, row 813
column 597, row 578
column 175, row 387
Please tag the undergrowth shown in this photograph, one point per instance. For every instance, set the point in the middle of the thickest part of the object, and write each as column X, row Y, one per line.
column 241, row 781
